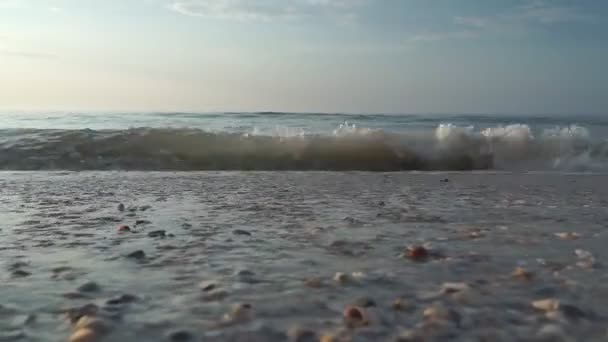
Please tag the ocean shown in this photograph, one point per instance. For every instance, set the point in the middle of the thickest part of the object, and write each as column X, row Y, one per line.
column 289, row 141
column 302, row 227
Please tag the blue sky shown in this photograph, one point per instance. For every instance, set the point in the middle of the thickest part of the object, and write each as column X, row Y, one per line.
column 389, row 56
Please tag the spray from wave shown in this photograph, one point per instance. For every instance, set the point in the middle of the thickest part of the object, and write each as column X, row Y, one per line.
column 448, row 147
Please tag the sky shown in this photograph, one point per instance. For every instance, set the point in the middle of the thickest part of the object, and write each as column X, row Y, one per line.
column 360, row 56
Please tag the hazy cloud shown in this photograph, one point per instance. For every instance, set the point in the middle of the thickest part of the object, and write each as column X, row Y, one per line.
column 267, row 9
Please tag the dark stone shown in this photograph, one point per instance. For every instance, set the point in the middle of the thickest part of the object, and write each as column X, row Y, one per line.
column 89, row 287
column 139, row 222
column 139, row 254
column 241, row 232
column 180, row 336
column 20, row 274
column 157, row 233
column 122, row 299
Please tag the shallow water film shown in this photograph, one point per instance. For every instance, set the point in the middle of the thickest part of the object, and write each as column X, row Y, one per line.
column 302, row 256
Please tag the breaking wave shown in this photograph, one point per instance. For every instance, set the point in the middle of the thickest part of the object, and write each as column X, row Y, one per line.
column 448, row 147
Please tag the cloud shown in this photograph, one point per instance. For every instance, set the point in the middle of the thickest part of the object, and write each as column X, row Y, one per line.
column 267, row 9
column 28, row 54
column 535, row 12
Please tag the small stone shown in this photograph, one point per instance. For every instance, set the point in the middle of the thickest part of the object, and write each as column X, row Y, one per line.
column 448, row 288
column 355, row 316
column 364, row 302
column 341, row 278
column 121, row 207
column 122, row 299
column 241, row 232
column 157, row 233
column 418, row 253
column 215, row 295
column 297, row 334
column 207, row 286
column 84, row 335
column 522, row 273
column 92, row 323
column 239, row 313
column 314, row 282
column 180, row 336
column 20, row 274
column 568, row 235
column 140, row 222
column 549, row 304
column 89, row 287
column 139, row 254
column 124, row 228
column 74, row 314
column 144, row 207
column 400, row 304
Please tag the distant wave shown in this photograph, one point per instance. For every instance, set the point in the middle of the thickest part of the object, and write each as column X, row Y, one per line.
column 448, row 147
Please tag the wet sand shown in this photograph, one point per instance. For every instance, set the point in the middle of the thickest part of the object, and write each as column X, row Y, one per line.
column 302, row 256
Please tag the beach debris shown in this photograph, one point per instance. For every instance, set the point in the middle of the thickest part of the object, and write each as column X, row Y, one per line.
column 157, row 233
column 522, row 273
column 241, row 232
column 124, row 228
column 89, row 287
column 139, row 254
column 568, row 235
column 356, row 316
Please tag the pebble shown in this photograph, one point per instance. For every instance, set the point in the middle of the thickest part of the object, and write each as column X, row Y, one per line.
column 417, row 253
column 124, row 228
column 448, row 288
column 207, row 286
column 139, row 254
column 241, row 232
column 157, row 233
column 20, row 274
column 92, row 323
column 180, row 336
column 314, row 282
column 122, row 299
column 298, row 334
column 140, row 222
column 568, row 235
column 89, row 287
column 548, row 304
column 355, row 316
column 121, row 207
column 341, row 278
column 84, row 335
column 522, row 273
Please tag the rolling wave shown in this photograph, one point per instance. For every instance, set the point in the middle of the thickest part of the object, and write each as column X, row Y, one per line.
column 448, row 147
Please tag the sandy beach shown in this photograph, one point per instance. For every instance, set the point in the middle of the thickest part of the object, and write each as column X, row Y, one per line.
column 303, row 256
